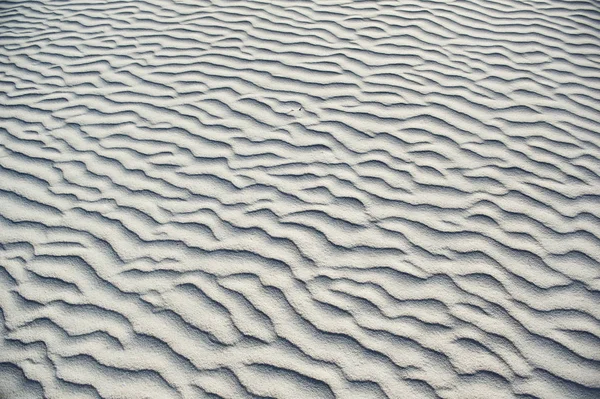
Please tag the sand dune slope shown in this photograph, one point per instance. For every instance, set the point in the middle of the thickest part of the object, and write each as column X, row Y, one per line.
column 300, row 199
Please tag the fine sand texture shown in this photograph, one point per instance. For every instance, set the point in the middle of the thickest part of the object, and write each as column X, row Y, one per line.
column 299, row 199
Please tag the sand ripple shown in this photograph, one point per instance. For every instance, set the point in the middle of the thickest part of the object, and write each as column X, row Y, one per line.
column 300, row 199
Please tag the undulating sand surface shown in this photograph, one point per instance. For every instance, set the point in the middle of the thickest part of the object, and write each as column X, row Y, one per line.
column 300, row 199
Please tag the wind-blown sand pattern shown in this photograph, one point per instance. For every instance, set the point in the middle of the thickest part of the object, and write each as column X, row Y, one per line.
column 300, row 199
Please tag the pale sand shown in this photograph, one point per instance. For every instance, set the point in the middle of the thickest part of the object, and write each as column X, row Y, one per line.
column 300, row 199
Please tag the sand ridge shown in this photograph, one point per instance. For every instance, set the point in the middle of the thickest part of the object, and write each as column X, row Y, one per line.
column 299, row 199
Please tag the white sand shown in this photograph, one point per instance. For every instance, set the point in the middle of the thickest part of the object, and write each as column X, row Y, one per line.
column 300, row 199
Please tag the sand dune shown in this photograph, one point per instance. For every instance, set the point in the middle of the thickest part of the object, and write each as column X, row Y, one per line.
column 300, row 199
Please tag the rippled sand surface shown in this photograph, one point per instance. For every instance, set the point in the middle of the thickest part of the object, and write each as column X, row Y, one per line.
column 300, row 199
